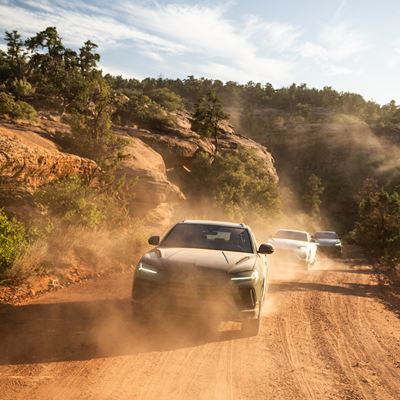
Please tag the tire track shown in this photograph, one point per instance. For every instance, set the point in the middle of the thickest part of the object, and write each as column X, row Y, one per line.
column 325, row 335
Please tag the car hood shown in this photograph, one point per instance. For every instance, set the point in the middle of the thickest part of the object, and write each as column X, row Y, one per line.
column 287, row 243
column 229, row 261
column 328, row 242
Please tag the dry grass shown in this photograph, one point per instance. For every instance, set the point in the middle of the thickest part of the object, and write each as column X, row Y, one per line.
column 74, row 246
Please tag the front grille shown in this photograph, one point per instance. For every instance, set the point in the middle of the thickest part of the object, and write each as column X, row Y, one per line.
column 287, row 253
column 199, row 283
column 195, row 288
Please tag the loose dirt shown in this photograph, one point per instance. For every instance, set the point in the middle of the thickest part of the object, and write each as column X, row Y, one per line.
column 327, row 334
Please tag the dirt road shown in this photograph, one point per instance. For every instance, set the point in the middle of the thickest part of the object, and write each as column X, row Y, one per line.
column 326, row 334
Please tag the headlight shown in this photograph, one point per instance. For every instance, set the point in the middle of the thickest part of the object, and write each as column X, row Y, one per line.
column 146, row 268
column 302, row 251
column 338, row 244
column 246, row 276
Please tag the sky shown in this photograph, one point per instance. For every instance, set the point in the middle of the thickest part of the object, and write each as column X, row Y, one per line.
column 350, row 45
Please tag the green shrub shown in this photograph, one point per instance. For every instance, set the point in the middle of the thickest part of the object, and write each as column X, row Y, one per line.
column 72, row 200
column 143, row 111
column 236, row 184
column 26, row 111
column 278, row 124
column 378, row 226
column 15, row 109
column 166, row 98
column 22, row 88
column 12, row 241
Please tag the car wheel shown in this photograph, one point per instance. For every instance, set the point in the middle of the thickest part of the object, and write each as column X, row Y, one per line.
column 251, row 327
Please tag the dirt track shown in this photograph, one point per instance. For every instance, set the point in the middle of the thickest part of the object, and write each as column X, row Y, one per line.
column 328, row 334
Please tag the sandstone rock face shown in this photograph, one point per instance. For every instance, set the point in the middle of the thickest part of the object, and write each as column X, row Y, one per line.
column 144, row 169
column 29, row 158
column 28, row 161
column 180, row 145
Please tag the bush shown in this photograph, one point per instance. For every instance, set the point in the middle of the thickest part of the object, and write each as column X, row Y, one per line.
column 26, row 111
column 15, row 109
column 166, row 98
column 143, row 111
column 378, row 226
column 12, row 241
column 236, row 184
column 21, row 88
column 72, row 200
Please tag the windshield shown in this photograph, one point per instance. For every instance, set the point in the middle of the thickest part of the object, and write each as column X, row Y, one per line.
column 292, row 235
column 212, row 237
column 326, row 235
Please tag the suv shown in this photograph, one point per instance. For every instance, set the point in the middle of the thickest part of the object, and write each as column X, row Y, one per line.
column 329, row 243
column 204, row 266
column 295, row 247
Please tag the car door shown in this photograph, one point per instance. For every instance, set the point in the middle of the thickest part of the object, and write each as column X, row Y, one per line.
column 313, row 251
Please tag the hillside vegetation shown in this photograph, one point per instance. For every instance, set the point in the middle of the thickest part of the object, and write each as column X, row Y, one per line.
column 84, row 171
column 325, row 144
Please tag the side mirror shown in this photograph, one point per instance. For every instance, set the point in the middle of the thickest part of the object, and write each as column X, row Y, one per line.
column 265, row 248
column 154, row 240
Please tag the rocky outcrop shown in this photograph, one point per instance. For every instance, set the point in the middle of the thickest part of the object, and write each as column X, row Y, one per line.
column 144, row 171
column 179, row 146
column 28, row 161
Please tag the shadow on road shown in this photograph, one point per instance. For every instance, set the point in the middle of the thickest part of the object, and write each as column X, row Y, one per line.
column 381, row 292
column 85, row 330
column 349, row 290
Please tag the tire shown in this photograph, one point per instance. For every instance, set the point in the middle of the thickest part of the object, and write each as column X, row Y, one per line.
column 251, row 327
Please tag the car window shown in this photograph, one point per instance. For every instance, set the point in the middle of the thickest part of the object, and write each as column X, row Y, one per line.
column 209, row 237
column 292, row 235
column 326, row 235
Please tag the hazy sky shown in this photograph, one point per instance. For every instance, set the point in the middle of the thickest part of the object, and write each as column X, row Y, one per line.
column 351, row 45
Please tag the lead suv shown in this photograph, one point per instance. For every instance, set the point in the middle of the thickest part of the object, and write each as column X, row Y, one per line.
column 204, row 266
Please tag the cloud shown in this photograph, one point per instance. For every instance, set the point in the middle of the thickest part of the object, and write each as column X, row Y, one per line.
column 263, row 70
column 115, row 71
column 276, row 36
column 193, row 32
column 76, row 27
column 335, row 70
column 227, row 49
column 336, row 43
column 339, row 10
column 152, row 55
column 199, row 38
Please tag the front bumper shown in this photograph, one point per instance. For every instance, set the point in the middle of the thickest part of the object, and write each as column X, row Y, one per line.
column 332, row 251
column 222, row 297
column 290, row 256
